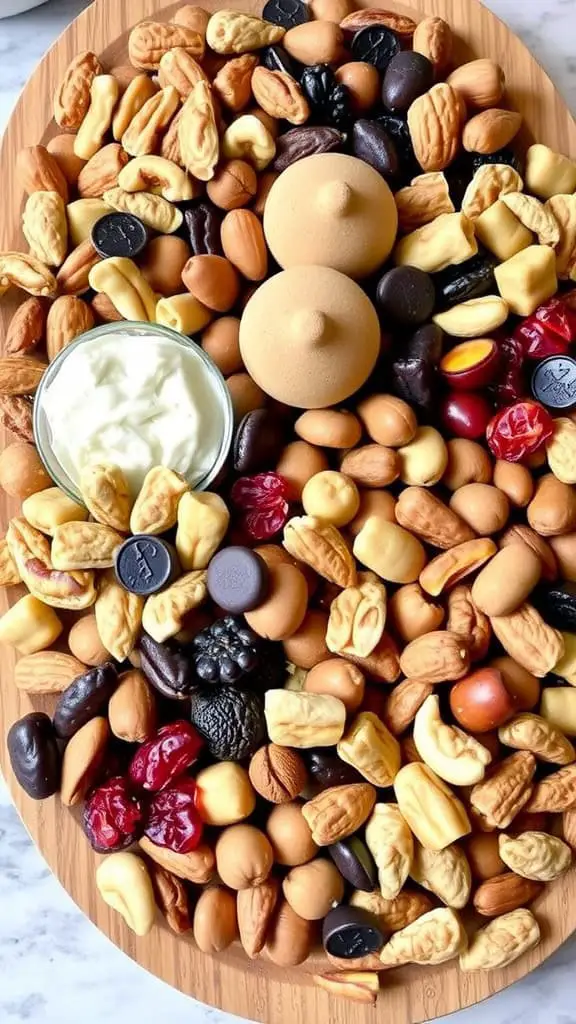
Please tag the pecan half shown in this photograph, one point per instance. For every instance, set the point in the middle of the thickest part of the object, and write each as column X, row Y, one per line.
column 31, row 553
column 506, row 790
column 321, row 546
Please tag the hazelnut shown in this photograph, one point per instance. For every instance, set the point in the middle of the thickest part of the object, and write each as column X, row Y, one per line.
column 21, row 470
column 339, row 678
column 85, row 643
column 245, row 394
column 244, row 856
column 290, row 835
column 220, row 342
column 215, row 921
column 290, row 937
column 483, row 856
column 388, row 420
column 162, row 264
column 412, row 613
column 485, row 508
column 362, row 81
column 224, row 794
column 307, row 646
column 277, row 773
column 523, row 687
column 312, row 889
column 234, row 185
column 300, row 462
column 373, row 503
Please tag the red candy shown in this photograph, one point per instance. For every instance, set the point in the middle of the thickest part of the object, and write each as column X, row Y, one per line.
column 559, row 315
column 172, row 819
column 263, row 500
column 466, row 414
column 167, row 755
column 112, row 816
column 519, row 431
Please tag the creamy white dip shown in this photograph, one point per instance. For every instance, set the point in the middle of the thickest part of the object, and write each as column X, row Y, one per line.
column 136, row 401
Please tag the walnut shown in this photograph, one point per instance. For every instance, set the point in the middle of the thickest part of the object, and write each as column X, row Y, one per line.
column 445, row 872
column 555, row 793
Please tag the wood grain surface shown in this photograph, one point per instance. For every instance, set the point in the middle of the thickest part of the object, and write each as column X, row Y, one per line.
column 256, row 990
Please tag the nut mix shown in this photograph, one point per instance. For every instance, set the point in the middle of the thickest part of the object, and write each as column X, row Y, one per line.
column 399, row 541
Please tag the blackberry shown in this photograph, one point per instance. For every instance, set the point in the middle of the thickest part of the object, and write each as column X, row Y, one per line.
column 329, row 100
column 271, row 672
column 224, row 651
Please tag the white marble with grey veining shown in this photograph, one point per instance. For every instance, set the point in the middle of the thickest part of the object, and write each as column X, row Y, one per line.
column 55, row 967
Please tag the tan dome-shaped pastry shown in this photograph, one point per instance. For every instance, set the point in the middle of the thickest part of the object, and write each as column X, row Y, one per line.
column 309, row 337
column 331, row 210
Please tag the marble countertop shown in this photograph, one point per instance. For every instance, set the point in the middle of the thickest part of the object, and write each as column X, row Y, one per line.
column 55, row 967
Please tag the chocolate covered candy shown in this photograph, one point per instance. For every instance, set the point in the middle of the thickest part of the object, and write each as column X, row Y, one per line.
column 237, row 579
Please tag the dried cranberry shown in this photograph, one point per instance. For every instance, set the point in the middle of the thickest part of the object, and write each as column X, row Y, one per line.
column 538, row 340
column 510, row 386
column 519, row 431
column 166, row 756
column 172, row 819
column 112, row 816
column 263, row 502
column 559, row 315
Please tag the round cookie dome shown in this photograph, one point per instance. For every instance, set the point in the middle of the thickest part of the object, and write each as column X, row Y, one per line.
column 331, row 210
column 309, row 337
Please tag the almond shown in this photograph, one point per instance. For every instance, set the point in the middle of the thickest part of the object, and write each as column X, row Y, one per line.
column 102, row 170
column 68, row 317
column 400, row 24
column 81, row 761
column 480, row 82
column 244, row 244
column 213, row 281
column 47, row 672
column 434, row 123
column 403, row 702
column 72, row 277
column 504, row 893
column 172, row 898
column 38, row 171
column 491, row 130
column 20, row 375
column 436, row 657
column 16, row 416
column 433, row 39
column 196, row 866
column 132, row 708
column 425, row 198
column 26, row 328
column 373, row 465
column 255, row 907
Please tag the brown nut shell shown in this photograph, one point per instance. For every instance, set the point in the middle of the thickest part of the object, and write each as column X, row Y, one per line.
column 329, row 428
column 22, row 472
column 338, row 678
column 544, row 550
column 234, row 185
column 388, row 420
column 277, row 773
column 515, row 481
column 132, row 708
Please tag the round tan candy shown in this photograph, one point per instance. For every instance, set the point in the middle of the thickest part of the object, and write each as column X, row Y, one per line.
column 331, row 210
column 309, row 337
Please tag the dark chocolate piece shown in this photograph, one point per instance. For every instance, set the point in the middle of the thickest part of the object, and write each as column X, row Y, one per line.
column 145, row 564
column 406, row 295
column 351, row 932
column 119, row 234
column 34, row 755
column 287, row 13
column 554, row 382
column 355, row 863
column 375, row 44
column 258, row 442
column 408, row 76
column 237, row 579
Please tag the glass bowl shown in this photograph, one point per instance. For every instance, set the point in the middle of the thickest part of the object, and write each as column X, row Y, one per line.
column 42, row 429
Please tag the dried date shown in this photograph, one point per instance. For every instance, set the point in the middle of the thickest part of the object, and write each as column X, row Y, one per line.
column 203, row 227
column 84, row 699
column 34, row 755
column 169, row 671
column 300, row 142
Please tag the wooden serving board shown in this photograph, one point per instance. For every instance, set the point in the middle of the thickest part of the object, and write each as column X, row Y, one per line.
column 256, row 990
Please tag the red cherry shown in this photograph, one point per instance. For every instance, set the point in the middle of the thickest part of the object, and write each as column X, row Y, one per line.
column 465, row 414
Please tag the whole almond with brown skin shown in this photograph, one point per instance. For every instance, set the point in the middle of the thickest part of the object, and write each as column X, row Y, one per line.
column 491, row 130
column 102, row 170
column 373, row 465
column 69, row 316
column 213, row 281
column 339, row 812
column 244, row 244
column 280, row 95
column 82, row 759
column 172, row 898
column 436, row 657
column 552, row 510
column 289, row 938
column 20, row 375
column 433, row 39
column 234, row 185
column 132, row 708
column 480, row 82
column 72, row 96
column 556, row 793
column 26, row 328
column 16, row 416
column 72, row 277
column 61, row 147
column 504, row 893
column 315, row 42
column 104, row 309
column 401, row 24
column 254, row 908
column 277, row 773
column 38, row 171
column 421, row 512
column 47, row 672
column 434, row 121
column 403, row 702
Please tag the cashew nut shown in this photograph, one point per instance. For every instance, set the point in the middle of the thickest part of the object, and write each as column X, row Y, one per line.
column 183, row 313
column 121, row 280
column 104, row 93
column 248, row 139
column 157, row 175
column 125, row 885
column 448, row 750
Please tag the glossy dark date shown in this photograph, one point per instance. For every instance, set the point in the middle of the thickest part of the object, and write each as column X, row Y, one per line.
column 84, row 699
column 34, row 755
column 167, row 668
